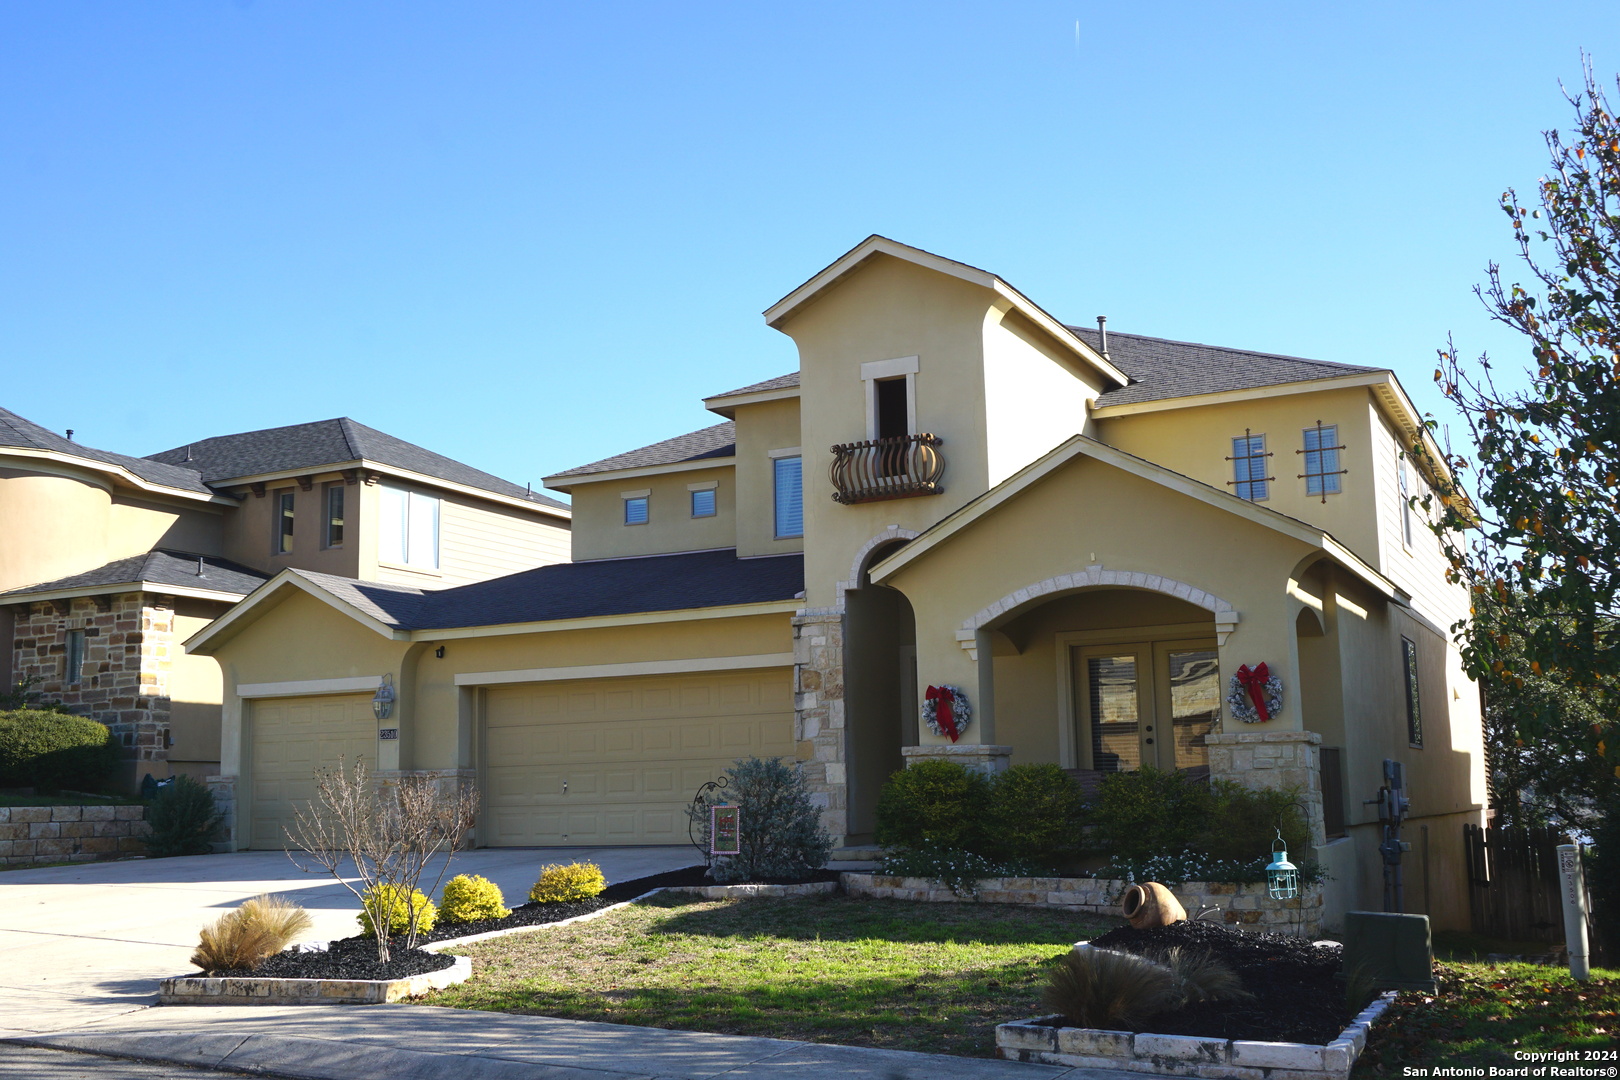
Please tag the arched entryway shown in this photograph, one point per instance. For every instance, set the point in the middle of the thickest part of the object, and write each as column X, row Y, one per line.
column 880, row 687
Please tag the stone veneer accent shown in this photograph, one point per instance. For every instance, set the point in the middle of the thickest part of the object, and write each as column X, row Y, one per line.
column 30, row 834
column 818, row 705
column 1274, row 759
column 129, row 653
column 985, row 757
column 1042, row 1040
column 1245, row 907
column 202, row 990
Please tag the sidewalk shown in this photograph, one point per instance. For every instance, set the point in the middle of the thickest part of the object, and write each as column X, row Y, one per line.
column 418, row 1042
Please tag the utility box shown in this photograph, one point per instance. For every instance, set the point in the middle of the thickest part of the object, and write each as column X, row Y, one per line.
column 1394, row 952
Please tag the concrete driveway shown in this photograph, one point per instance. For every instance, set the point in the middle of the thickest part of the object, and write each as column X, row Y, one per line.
column 87, row 942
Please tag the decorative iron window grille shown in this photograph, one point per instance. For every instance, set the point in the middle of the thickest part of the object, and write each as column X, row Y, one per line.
column 1321, row 452
column 1248, row 460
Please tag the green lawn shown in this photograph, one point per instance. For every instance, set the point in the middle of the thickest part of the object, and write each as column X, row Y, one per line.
column 884, row 973
column 1486, row 1012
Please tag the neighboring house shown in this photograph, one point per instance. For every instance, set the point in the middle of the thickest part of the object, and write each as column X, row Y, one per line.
column 1088, row 536
column 109, row 562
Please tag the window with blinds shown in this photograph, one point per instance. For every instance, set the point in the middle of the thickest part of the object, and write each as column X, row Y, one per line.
column 789, row 497
column 703, row 503
column 1249, row 479
column 635, row 511
column 408, row 529
column 1322, row 472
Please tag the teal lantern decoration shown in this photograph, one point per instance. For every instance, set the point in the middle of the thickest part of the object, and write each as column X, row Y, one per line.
column 1282, row 876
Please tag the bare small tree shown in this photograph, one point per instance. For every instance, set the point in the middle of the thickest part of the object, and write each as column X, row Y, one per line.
column 389, row 833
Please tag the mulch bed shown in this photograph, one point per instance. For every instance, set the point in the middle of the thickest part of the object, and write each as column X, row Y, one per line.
column 1295, row 996
column 356, row 957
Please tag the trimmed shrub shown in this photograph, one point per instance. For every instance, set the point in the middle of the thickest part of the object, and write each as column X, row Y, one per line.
column 568, row 884
column 780, row 835
column 1143, row 814
column 184, row 820
column 1245, row 822
column 45, row 749
column 934, row 804
column 470, row 898
column 1036, row 813
column 240, row 939
column 390, row 902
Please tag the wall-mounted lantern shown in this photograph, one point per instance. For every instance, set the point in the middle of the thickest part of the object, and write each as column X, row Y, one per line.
column 382, row 702
column 1282, row 876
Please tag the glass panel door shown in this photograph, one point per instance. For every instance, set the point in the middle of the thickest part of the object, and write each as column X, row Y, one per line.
column 1116, row 699
column 1192, row 701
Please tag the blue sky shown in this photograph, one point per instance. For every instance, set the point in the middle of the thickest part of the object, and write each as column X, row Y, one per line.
column 530, row 235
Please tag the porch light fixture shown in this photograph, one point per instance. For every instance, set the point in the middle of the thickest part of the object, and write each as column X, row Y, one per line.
column 382, row 702
column 1282, row 876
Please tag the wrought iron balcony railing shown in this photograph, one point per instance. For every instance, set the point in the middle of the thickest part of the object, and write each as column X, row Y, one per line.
column 878, row 469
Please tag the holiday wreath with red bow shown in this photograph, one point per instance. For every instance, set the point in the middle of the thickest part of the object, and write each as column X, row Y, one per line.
column 946, row 711
column 1254, row 694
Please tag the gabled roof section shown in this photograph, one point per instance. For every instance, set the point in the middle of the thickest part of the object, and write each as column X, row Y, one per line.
column 719, row 441
column 875, row 245
column 24, row 434
column 781, row 382
column 777, row 389
column 326, row 444
column 1160, row 368
column 1081, row 446
column 160, row 570
column 691, row 581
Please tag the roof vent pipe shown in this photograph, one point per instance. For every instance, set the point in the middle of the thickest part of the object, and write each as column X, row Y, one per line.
column 1102, row 332
column 199, row 566
column 70, row 434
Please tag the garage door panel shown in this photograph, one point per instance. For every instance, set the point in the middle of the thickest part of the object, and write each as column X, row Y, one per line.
column 632, row 750
column 292, row 738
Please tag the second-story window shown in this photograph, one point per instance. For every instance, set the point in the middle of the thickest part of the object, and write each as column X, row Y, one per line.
column 635, row 510
column 1414, row 714
column 1406, row 507
column 284, row 522
column 408, row 529
column 703, row 503
column 334, row 515
column 1322, row 472
column 893, row 408
column 1249, row 478
column 789, row 497
column 73, row 663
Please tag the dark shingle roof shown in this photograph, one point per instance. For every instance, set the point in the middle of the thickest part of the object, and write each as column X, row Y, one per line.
column 698, row 579
column 711, row 442
column 16, row 431
column 159, row 567
column 781, row 382
column 1160, row 369
column 326, row 443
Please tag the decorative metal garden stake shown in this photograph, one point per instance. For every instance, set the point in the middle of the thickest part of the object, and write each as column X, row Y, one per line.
column 1282, row 876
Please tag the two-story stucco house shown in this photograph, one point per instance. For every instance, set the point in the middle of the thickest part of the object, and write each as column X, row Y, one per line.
column 109, row 562
column 1087, row 535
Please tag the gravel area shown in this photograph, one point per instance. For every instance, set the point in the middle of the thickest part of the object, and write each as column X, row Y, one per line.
column 1296, row 998
column 350, row 958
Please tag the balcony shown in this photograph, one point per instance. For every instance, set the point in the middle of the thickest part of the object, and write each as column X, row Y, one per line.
column 879, row 469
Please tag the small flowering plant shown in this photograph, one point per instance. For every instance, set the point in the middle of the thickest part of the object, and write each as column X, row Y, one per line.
column 1180, row 867
column 958, row 871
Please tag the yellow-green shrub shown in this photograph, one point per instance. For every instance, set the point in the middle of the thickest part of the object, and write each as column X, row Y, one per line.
column 564, row 884
column 470, row 898
column 257, row 930
column 389, row 901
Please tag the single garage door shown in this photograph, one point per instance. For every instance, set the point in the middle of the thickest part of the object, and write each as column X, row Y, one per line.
column 615, row 761
column 292, row 737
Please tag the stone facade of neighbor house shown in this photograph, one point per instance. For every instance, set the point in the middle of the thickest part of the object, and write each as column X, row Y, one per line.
column 109, row 562
column 1088, row 536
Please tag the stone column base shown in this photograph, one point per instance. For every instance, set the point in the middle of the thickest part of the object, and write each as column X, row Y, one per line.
column 1270, row 760
column 986, row 758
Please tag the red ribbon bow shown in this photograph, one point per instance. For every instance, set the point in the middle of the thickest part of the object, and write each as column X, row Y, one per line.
column 943, row 700
column 1255, row 683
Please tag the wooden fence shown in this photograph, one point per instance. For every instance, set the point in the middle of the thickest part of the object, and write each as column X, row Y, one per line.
column 1513, row 884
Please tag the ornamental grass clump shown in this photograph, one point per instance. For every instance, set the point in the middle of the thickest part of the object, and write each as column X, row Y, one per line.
column 240, row 940
column 400, row 911
column 471, row 898
column 568, row 884
column 1107, row 988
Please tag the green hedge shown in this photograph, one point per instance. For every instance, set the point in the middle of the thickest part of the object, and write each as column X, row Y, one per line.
column 53, row 750
column 1027, row 813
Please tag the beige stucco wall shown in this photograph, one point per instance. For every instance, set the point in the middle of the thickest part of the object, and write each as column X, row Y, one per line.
column 195, row 692
column 761, row 428
column 250, row 531
column 1035, row 395
column 1089, row 513
column 600, row 531
column 1197, row 441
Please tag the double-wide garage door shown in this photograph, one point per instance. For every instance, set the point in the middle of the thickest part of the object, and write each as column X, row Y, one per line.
column 616, row 761
column 291, row 738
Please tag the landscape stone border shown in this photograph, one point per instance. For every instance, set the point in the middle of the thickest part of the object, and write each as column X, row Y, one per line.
column 745, row 892
column 30, row 834
column 1038, row 1040
column 1243, row 907
column 202, row 990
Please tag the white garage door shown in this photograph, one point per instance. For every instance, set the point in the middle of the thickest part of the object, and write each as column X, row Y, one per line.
column 615, row 761
column 292, row 737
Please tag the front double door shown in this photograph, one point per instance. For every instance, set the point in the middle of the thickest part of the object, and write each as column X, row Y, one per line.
column 1148, row 703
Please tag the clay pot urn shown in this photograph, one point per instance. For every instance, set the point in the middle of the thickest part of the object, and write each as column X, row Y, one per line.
column 1150, row 905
